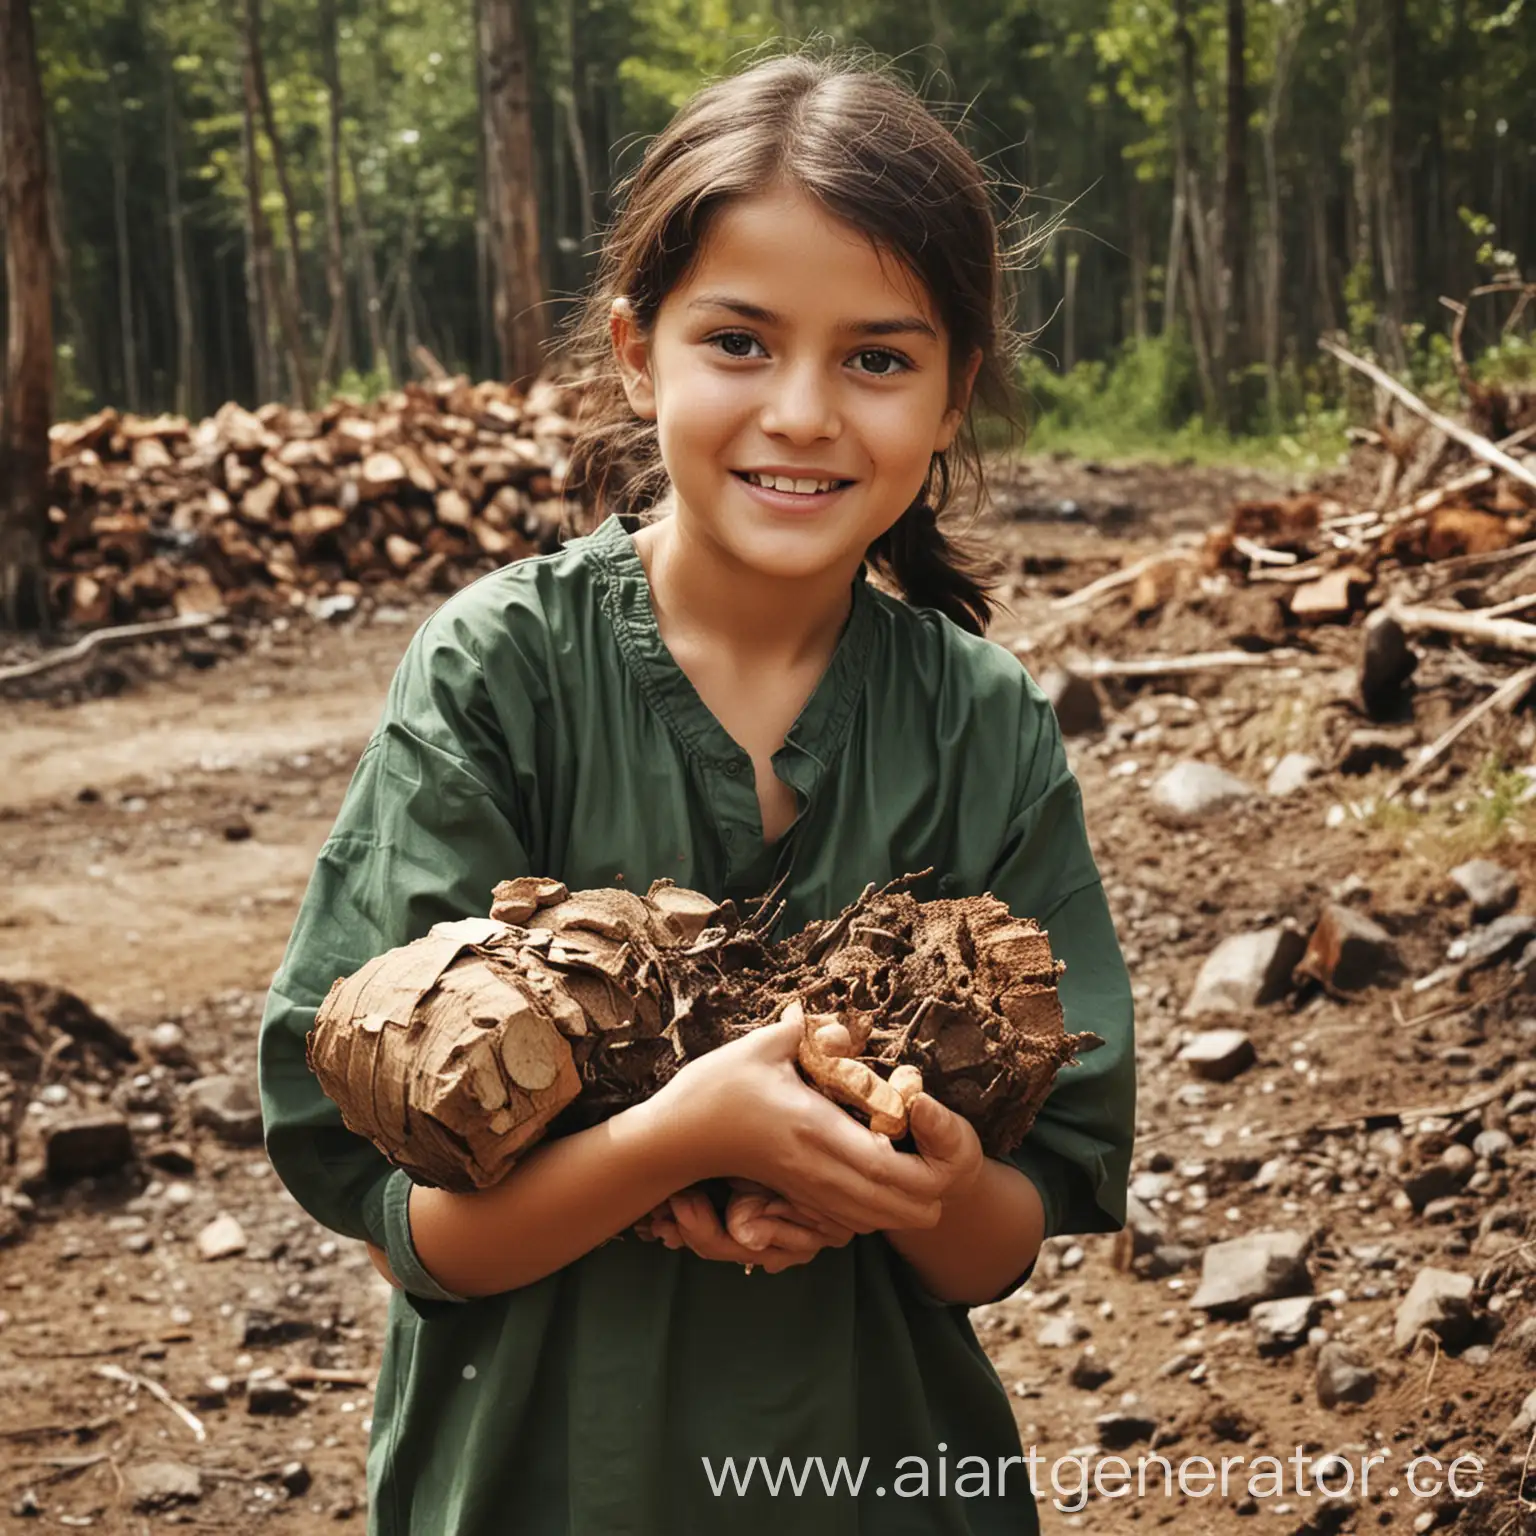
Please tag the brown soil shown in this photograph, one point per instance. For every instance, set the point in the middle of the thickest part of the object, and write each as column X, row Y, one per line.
column 158, row 841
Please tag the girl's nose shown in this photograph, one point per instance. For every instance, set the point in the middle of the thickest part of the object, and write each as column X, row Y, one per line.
column 802, row 406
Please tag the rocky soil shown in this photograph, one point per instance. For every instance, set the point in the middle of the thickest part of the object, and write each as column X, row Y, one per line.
column 1332, row 1246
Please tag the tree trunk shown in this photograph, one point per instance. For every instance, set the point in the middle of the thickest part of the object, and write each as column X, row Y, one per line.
column 26, row 405
column 279, row 164
column 186, row 388
column 338, row 334
column 258, row 259
column 284, row 299
column 1069, row 313
column 1287, row 34
column 1138, row 263
column 124, row 262
column 372, row 300
column 1233, row 334
column 485, row 302
column 87, row 373
column 512, row 182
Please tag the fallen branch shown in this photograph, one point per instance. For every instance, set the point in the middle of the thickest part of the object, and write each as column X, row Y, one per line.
column 97, row 637
column 1459, row 565
column 1115, row 580
column 1260, row 554
column 1474, row 442
column 1508, row 694
column 156, row 1391
column 1198, row 661
column 1503, row 634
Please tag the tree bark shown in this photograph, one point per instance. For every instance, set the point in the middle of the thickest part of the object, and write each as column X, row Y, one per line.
column 86, row 371
column 1233, row 302
column 258, row 258
column 338, row 333
column 283, row 300
column 27, row 402
column 512, row 182
column 124, row 258
column 279, row 163
column 368, row 269
column 1287, row 34
column 186, row 387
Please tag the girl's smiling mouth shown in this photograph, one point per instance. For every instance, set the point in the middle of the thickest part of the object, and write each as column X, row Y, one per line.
column 802, row 492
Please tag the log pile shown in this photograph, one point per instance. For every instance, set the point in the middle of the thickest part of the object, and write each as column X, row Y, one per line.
column 247, row 512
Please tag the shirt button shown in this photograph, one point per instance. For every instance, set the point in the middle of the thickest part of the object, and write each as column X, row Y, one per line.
column 733, row 769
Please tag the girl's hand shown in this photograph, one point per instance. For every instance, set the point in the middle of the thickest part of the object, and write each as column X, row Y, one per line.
column 760, row 1229
column 744, row 1111
column 947, row 1142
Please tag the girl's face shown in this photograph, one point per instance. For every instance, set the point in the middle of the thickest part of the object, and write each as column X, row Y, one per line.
column 793, row 352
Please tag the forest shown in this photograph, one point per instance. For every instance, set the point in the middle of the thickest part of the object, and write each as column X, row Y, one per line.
column 269, row 199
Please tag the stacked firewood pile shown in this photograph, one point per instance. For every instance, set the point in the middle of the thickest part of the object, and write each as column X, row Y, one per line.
column 249, row 512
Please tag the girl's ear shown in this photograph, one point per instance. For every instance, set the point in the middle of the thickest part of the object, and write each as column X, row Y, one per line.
column 633, row 354
column 954, row 417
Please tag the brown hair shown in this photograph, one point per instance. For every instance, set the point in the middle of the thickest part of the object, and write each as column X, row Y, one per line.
column 864, row 145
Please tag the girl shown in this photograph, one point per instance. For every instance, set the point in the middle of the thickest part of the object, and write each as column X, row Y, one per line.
column 796, row 307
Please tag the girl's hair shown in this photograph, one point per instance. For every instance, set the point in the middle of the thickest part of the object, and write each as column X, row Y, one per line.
column 865, row 147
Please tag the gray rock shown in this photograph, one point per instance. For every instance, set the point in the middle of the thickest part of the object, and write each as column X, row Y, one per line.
column 1494, row 1145
column 1491, row 888
column 1120, row 1431
column 1245, row 1270
column 88, row 1144
column 1282, row 1324
column 1342, row 1376
column 1191, row 792
column 1088, row 1372
column 1061, row 1332
column 1524, row 1421
column 222, row 1238
column 1291, row 773
column 1503, row 937
column 1075, row 700
column 156, row 1485
column 1439, row 1300
column 1246, row 971
column 261, row 1329
column 272, row 1396
column 1347, row 950
column 295, row 1478
column 1218, row 1055
column 228, row 1107
column 1386, row 663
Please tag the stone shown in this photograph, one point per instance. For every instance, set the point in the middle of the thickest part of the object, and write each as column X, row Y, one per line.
column 1347, row 951
column 228, row 1107
column 1191, row 792
column 1493, row 1145
column 1524, row 1421
column 1331, row 597
column 1259, row 1267
column 222, row 1238
column 157, row 1485
column 1434, row 1181
column 295, row 1478
column 1490, row 888
column 1282, row 1324
column 168, row 1044
column 1218, row 1055
column 1075, row 699
column 261, row 1329
column 1142, row 1232
column 1366, row 749
column 1120, row 1431
column 1061, row 1331
column 1246, row 971
column 1291, row 773
column 171, row 1157
column 1439, row 1300
column 272, row 1395
column 1088, row 1372
column 1503, row 937
column 1386, row 663
column 1342, row 1376
column 87, row 1144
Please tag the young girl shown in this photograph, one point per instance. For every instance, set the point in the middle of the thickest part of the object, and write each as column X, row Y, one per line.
column 797, row 304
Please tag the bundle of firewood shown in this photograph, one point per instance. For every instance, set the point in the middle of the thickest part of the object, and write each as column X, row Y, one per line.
column 429, row 485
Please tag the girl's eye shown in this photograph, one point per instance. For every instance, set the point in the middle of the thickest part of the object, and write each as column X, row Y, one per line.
column 734, row 343
column 881, row 363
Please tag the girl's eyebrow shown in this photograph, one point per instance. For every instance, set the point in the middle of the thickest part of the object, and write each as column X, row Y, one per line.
column 900, row 325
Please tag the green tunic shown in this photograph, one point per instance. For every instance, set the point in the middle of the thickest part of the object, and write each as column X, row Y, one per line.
column 538, row 724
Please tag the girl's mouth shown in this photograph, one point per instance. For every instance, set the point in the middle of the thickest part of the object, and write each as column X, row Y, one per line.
column 796, row 495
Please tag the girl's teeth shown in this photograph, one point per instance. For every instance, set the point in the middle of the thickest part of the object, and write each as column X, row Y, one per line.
column 799, row 487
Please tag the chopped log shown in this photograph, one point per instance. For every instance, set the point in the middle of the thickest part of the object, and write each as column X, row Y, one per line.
column 1501, row 633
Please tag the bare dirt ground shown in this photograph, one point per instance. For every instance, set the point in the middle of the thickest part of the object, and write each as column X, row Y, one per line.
column 157, row 841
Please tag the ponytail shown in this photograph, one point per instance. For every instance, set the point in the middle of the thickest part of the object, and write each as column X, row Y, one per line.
column 933, row 569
